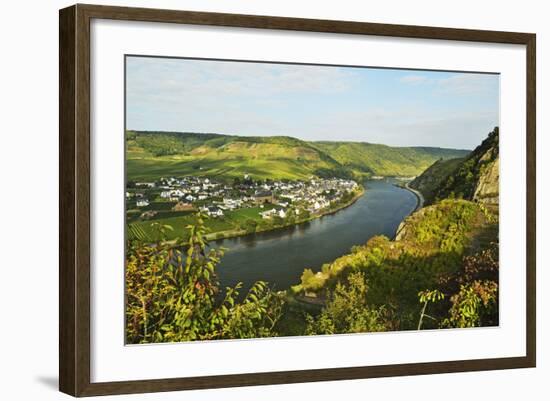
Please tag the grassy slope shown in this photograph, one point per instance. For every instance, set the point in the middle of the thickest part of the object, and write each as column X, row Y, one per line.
column 153, row 155
column 217, row 155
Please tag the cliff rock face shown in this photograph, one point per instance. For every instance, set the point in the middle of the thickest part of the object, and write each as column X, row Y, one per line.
column 475, row 177
column 487, row 188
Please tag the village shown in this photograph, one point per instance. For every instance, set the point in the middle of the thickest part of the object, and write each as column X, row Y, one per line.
column 272, row 198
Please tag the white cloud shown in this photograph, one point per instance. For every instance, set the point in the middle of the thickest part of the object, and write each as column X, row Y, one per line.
column 466, row 84
column 237, row 97
column 154, row 77
column 310, row 102
column 407, row 126
column 456, row 84
column 413, row 79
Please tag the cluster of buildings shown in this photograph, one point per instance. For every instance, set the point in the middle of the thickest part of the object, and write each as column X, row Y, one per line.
column 215, row 198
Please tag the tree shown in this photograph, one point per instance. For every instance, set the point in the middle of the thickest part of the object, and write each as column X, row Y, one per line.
column 250, row 225
column 290, row 217
column 348, row 310
column 307, row 275
column 474, row 304
column 426, row 297
column 173, row 294
column 474, row 290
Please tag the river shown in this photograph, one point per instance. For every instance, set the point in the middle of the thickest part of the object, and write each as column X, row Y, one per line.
column 279, row 257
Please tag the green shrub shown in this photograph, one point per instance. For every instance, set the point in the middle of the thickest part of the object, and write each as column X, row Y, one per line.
column 173, row 294
column 348, row 310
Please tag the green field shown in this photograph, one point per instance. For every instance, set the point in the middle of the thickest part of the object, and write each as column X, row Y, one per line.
column 144, row 230
column 247, row 213
column 157, row 167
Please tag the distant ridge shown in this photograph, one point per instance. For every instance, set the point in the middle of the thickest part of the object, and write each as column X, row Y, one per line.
column 153, row 154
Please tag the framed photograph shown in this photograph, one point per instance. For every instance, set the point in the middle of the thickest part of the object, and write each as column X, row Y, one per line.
column 250, row 200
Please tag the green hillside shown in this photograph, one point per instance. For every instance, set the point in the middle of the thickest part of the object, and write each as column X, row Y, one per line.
column 474, row 177
column 386, row 160
column 449, row 249
column 151, row 155
column 431, row 179
column 440, row 271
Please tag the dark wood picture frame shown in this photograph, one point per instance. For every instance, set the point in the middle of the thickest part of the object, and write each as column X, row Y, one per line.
column 74, row 199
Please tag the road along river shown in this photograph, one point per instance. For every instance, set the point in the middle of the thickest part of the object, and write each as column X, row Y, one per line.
column 280, row 256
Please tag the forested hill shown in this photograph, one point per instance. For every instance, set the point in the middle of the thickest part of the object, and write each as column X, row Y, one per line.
column 386, row 160
column 474, row 177
column 429, row 181
column 151, row 155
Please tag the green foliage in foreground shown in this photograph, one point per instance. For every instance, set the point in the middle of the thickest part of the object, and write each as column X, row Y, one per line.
column 173, row 294
column 348, row 310
column 442, row 271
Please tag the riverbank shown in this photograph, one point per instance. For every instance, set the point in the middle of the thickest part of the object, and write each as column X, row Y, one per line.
column 418, row 194
column 220, row 235
column 419, row 205
column 312, row 298
column 280, row 256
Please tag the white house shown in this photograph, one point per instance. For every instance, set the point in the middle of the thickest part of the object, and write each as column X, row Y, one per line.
column 174, row 193
column 142, row 202
column 232, row 204
column 268, row 213
column 214, row 211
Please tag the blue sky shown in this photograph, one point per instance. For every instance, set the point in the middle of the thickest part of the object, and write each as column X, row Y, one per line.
column 393, row 107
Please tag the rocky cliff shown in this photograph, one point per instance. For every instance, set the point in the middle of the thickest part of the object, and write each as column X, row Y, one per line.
column 487, row 188
column 475, row 177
